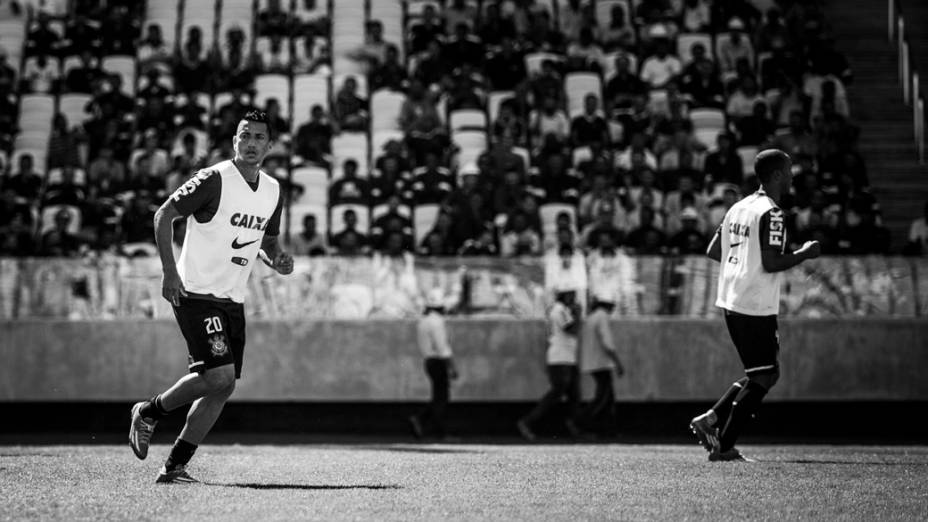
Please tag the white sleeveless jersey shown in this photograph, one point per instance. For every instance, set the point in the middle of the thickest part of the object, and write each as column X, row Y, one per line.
column 226, row 221
column 752, row 224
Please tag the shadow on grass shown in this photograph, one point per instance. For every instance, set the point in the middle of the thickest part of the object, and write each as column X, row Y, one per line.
column 844, row 462
column 309, row 487
column 419, row 449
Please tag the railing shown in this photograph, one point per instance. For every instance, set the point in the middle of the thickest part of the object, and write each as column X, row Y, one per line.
column 908, row 77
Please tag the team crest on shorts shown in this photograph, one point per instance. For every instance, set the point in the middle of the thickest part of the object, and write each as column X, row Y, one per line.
column 217, row 345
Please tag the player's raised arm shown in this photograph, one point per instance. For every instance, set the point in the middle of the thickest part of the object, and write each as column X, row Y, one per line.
column 172, row 288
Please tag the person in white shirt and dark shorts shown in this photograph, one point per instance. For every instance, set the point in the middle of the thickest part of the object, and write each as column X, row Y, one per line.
column 751, row 244
column 432, row 334
column 232, row 211
column 561, row 357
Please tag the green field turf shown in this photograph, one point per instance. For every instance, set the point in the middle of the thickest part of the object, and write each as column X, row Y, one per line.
column 467, row 482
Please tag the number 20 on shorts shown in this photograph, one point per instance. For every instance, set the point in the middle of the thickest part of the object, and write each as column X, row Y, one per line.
column 213, row 325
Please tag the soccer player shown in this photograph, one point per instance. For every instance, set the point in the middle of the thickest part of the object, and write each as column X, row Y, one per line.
column 439, row 365
column 233, row 216
column 750, row 244
column 564, row 326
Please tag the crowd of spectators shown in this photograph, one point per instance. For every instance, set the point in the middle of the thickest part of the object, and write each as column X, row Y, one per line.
column 623, row 163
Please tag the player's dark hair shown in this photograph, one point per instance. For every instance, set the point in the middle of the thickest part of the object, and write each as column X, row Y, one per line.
column 768, row 162
column 257, row 116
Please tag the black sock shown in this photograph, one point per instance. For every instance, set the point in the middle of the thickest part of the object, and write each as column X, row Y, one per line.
column 723, row 407
column 743, row 408
column 180, row 455
column 153, row 409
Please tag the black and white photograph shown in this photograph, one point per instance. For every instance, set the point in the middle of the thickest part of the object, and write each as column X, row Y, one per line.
column 528, row 260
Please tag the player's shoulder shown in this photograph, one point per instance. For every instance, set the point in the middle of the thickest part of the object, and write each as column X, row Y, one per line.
column 267, row 178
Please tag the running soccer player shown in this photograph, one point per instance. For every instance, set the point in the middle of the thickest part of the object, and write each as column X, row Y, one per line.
column 233, row 216
column 750, row 244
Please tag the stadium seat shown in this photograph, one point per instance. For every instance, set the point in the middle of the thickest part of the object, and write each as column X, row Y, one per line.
column 315, row 184
column 549, row 212
column 295, row 222
column 54, row 176
column 124, row 66
column 707, row 136
column 533, row 61
column 35, row 112
column 471, row 145
column 47, row 218
column 385, row 110
column 604, row 12
column 577, row 85
column 747, row 155
column 424, row 217
column 35, row 140
column 263, row 50
column 707, row 118
column 338, row 218
column 71, row 62
column 269, row 86
column 685, row 43
column 308, row 90
column 415, row 8
column 496, row 99
column 39, row 159
column 352, row 145
column 467, row 119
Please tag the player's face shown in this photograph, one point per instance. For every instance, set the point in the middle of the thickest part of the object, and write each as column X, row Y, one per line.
column 251, row 142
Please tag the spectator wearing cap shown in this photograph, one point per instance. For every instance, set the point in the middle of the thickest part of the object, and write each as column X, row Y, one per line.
column 349, row 188
column 591, row 125
column 661, row 67
column 736, row 48
column 350, row 241
column 435, row 346
column 689, row 240
column 605, row 223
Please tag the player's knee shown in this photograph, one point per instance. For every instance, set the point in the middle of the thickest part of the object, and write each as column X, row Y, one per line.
column 221, row 379
column 766, row 380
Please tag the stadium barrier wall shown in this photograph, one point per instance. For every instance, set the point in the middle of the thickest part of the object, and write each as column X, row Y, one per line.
column 107, row 287
column 667, row 359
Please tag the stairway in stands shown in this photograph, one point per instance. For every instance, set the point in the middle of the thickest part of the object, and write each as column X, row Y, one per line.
column 887, row 138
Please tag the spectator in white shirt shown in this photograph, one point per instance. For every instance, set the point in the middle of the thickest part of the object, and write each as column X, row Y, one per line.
column 661, row 67
column 918, row 235
column 439, row 365
column 598, row 358
column 735, row 48
column 40, row 75
column 561, row 357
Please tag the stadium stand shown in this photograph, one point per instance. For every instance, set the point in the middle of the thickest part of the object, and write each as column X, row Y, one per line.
column 467, row 95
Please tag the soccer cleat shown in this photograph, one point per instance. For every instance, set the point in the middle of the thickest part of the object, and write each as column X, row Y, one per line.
column 177, row 475
column 140, row 431
column 525, row 431
column 731, row 455
column 707, row 434
column 416, row 426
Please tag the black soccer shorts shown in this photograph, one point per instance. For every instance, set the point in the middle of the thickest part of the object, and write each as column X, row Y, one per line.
column 757, row 342
column 215, row 333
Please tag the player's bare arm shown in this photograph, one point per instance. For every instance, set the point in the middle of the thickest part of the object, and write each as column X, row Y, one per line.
column 775, row 261
column 715, row 246
column 172, row 288
column 277, row 259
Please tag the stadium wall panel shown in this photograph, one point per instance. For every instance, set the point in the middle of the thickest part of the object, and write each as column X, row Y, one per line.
column 667, row 359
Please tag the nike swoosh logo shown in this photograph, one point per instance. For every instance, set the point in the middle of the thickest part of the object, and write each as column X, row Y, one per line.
column 733, row 245
column 236, row 245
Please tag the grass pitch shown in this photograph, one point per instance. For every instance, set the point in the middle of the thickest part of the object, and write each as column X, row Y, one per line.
column 467, row 482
